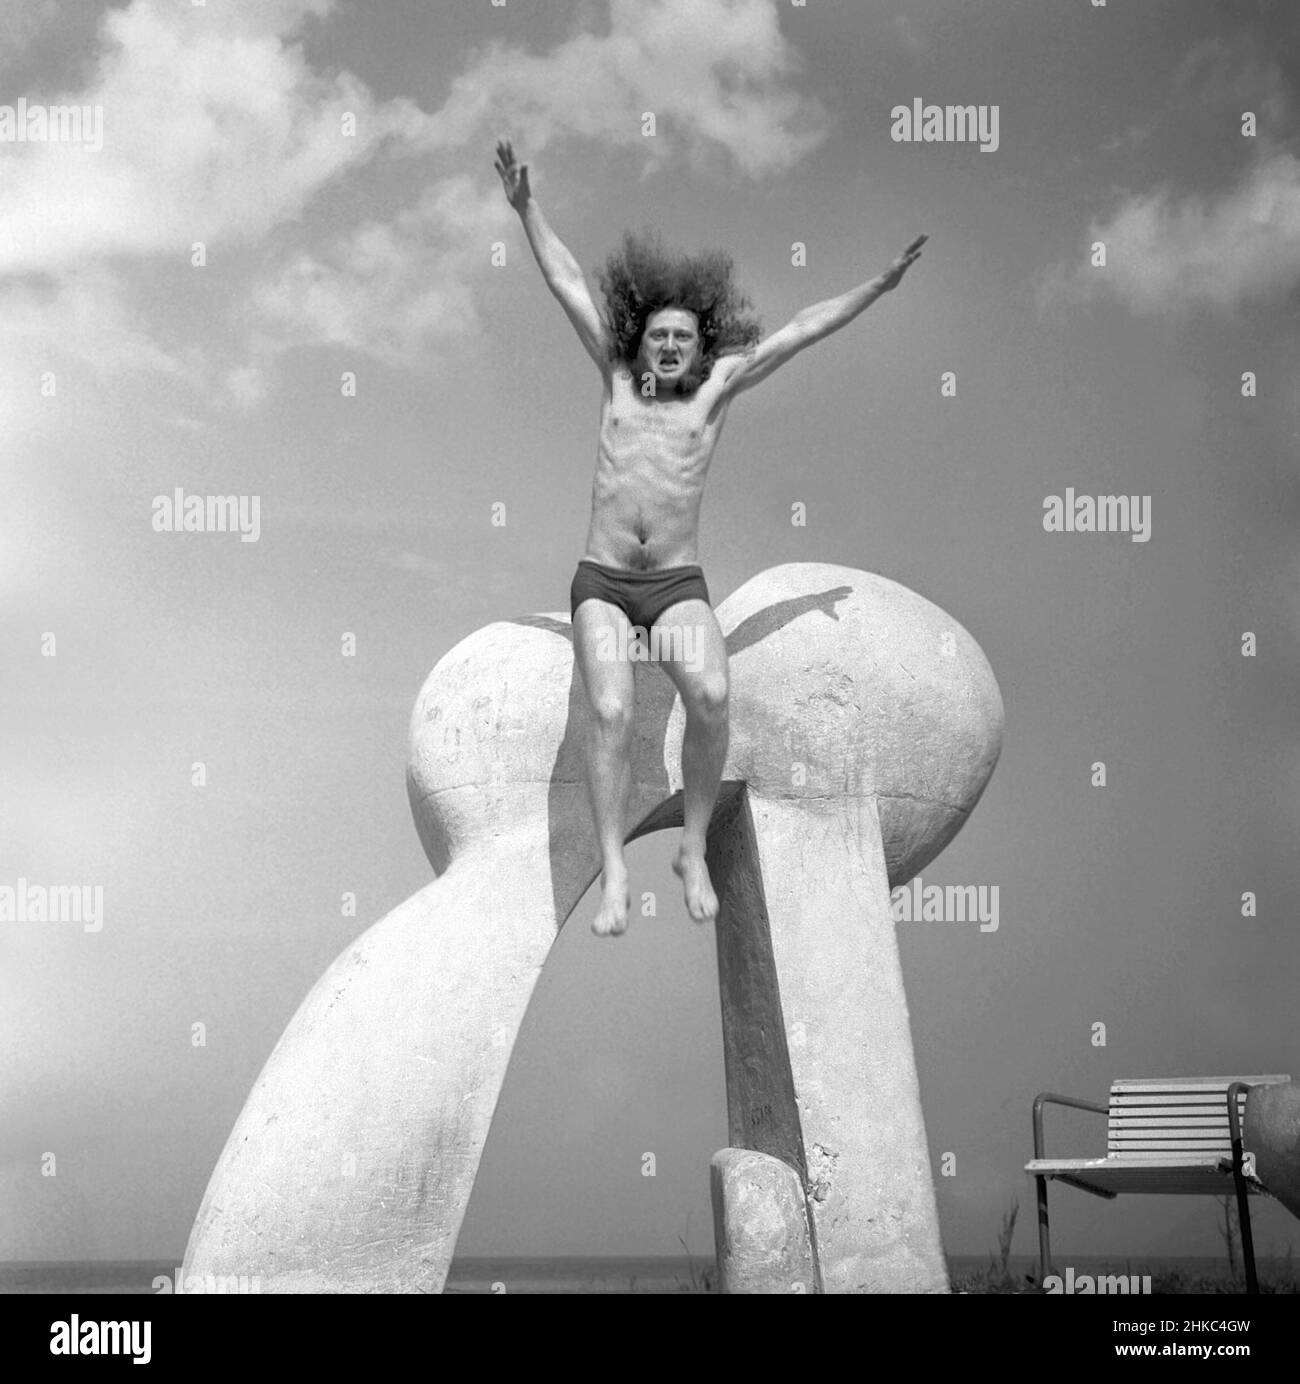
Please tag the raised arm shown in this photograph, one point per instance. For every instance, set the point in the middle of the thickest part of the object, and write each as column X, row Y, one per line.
column 813, row 323
column 563, row 274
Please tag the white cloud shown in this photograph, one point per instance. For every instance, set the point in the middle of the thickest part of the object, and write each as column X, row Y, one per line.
column 214, row 129
column 86, row 319
column 246, row 385
column 715, row 73
column 395, row 289
column 82, row 318
column 217, row 128
column 1165, row 253
column 83, row 315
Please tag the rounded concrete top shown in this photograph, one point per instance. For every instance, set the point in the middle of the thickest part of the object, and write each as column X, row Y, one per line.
column 842, row 683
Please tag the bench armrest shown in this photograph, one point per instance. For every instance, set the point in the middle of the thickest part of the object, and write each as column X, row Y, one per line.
column 1042, row 1099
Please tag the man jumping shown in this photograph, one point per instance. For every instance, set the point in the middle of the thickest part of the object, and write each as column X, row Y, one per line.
column 673, row 349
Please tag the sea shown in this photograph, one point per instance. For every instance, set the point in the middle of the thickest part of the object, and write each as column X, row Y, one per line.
column 596, row 1274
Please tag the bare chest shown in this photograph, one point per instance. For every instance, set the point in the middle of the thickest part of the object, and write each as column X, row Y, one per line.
column 672, row 430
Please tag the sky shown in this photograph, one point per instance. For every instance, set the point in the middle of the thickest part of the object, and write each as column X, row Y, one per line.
column 185, row 306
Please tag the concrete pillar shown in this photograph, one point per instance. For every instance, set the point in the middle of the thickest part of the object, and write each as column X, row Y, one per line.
column 870, row 1189
column 820, row 1071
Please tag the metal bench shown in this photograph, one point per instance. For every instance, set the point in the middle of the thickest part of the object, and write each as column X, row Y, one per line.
column 1179, row 1135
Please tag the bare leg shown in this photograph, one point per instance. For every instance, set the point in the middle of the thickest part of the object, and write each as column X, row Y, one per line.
column 699, row 672
column 611, row 694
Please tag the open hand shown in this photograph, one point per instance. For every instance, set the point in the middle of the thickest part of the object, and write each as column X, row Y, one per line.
column 514, row 176
column 891, row 277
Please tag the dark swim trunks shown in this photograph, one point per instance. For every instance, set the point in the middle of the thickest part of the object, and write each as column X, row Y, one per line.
column 641, row 596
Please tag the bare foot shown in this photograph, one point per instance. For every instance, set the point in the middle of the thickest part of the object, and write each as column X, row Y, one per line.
column 615, row 901
column 701, row 901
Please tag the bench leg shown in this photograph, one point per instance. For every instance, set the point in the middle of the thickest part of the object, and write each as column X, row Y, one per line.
column 1239, row 1180
column 1044, row 1243
column 1247, row 1240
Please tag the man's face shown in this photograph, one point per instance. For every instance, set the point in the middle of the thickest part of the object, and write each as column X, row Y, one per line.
column 670, row 346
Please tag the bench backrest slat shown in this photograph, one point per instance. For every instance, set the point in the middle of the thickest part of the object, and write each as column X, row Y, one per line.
column 1162, row 1117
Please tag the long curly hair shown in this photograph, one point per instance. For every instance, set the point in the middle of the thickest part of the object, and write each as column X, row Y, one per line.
column 642, row 277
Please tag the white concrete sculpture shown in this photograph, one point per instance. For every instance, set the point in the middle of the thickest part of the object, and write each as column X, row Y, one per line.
column 865, row 724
